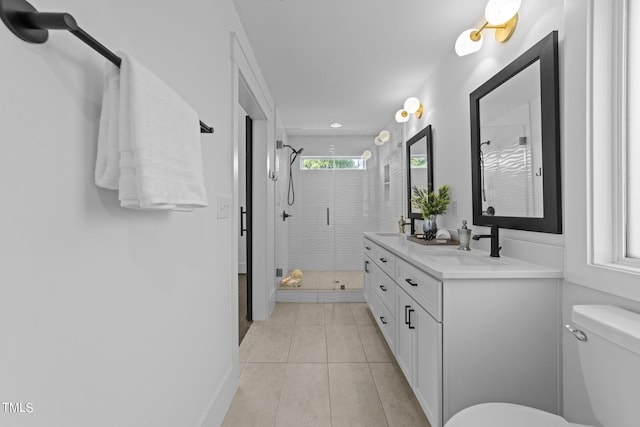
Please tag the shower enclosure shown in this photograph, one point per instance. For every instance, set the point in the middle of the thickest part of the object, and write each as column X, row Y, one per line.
column 329, row 185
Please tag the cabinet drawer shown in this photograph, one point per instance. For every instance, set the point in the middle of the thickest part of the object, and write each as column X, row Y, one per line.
column 385, row 321
column 385, row 287
column 386, row 260
column 369, row 248
column 424, row 289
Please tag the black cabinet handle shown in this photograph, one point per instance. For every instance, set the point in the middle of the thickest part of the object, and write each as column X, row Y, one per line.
column 411, row 310
column 406, row 316
column 383, row 259
column 383, row 288
column 366, row 264
column 242, row 213
column 411, row 282
column 384, row 322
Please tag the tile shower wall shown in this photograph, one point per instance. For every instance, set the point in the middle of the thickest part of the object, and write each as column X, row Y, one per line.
column 350, row 196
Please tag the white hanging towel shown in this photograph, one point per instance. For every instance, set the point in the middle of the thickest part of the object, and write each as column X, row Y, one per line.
column 148, row 143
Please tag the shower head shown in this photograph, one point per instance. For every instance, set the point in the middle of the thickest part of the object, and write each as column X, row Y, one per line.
column 485, row 143
column 294, row 153
column 293, row 149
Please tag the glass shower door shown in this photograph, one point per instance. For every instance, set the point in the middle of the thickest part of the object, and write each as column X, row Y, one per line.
column 329, row 213
column 308, row 196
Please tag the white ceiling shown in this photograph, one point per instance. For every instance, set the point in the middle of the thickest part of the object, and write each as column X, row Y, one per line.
column 350, row 61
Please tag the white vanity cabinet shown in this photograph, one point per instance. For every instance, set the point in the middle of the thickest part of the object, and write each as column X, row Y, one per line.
column 466, row 329
column 427, row 377
column 419, row 337
column 381, row 290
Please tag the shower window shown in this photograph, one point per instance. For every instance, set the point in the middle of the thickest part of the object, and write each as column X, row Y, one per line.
column 333, row 163
column 418, row 161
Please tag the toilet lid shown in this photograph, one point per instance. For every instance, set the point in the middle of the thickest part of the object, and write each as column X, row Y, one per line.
column 505, row 415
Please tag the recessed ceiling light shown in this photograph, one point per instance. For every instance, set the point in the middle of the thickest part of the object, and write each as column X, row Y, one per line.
column 336, row 125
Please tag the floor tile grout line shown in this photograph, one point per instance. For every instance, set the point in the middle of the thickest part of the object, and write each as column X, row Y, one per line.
column 386, row 416
column 293, row 331
column 364, row 350
column 275, row 420
column 326, row 348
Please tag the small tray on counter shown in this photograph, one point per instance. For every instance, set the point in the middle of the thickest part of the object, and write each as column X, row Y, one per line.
column 418, row 238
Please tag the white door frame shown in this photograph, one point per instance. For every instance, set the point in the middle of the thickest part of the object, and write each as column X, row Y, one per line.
column 250, row 92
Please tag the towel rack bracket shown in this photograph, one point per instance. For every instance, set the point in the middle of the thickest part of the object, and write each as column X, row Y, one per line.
column 15, row 13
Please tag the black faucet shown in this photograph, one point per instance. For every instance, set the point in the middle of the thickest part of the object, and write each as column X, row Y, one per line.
column 495, row 249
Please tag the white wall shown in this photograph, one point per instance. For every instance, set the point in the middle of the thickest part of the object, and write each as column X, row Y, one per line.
column 113, row 316
column 391, row 199
column 281, row 170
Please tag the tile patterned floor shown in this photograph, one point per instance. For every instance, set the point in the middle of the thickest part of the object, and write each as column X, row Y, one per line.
column 326, row 280
column 320, row 365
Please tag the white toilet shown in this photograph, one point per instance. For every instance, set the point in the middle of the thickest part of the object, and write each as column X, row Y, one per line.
column 610, row 358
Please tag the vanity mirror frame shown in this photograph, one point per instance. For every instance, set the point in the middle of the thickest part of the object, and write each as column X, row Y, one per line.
column 546, row 52
column 426, row 136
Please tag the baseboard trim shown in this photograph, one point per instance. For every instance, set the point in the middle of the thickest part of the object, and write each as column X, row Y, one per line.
column 319, row 296
column 221, row 400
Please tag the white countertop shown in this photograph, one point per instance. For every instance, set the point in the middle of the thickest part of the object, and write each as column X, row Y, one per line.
column 447, row 262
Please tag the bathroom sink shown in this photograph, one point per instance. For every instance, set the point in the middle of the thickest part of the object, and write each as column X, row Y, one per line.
column 451, row 258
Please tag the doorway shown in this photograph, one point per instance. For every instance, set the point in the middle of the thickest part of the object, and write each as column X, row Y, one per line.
column 245, row 243
column 327, row 193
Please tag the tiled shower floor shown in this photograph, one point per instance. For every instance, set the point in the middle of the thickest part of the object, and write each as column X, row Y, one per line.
column 326, row 280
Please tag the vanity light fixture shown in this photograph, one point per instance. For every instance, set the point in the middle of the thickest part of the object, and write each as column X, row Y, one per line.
column 411, row 106
column 366, row 155
column 500, row 15
column 382, row 137
column 402, row 116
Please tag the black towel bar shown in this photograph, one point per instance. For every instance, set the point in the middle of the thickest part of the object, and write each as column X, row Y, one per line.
column 32, row 26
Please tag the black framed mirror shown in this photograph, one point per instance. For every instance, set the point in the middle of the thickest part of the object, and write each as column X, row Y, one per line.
column 515, row 143
column 419, row 163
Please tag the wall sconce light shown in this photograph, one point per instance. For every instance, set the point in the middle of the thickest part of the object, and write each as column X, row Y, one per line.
column 500, row 15
column 382, row 137
column 366, row 155
column 411, row 106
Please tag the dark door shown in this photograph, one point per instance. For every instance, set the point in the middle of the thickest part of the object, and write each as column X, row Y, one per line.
column 249, row 213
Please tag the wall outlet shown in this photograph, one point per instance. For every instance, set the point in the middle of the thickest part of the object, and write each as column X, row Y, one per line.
column 224, row 207
column 278, row 272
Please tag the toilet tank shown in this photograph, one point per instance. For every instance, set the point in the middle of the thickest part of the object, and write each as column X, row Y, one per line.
column 610, row 359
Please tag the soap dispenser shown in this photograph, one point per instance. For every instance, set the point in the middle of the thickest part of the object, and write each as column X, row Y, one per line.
column 464, row 235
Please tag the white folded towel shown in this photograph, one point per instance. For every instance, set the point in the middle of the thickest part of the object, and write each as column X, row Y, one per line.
column 149, row 142
column 443, row 233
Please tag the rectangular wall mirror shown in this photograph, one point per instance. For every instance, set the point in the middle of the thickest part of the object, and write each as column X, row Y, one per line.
column 515, row 143
column 419, row 167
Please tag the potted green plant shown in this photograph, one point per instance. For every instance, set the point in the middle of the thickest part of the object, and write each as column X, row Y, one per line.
column 431, row 205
